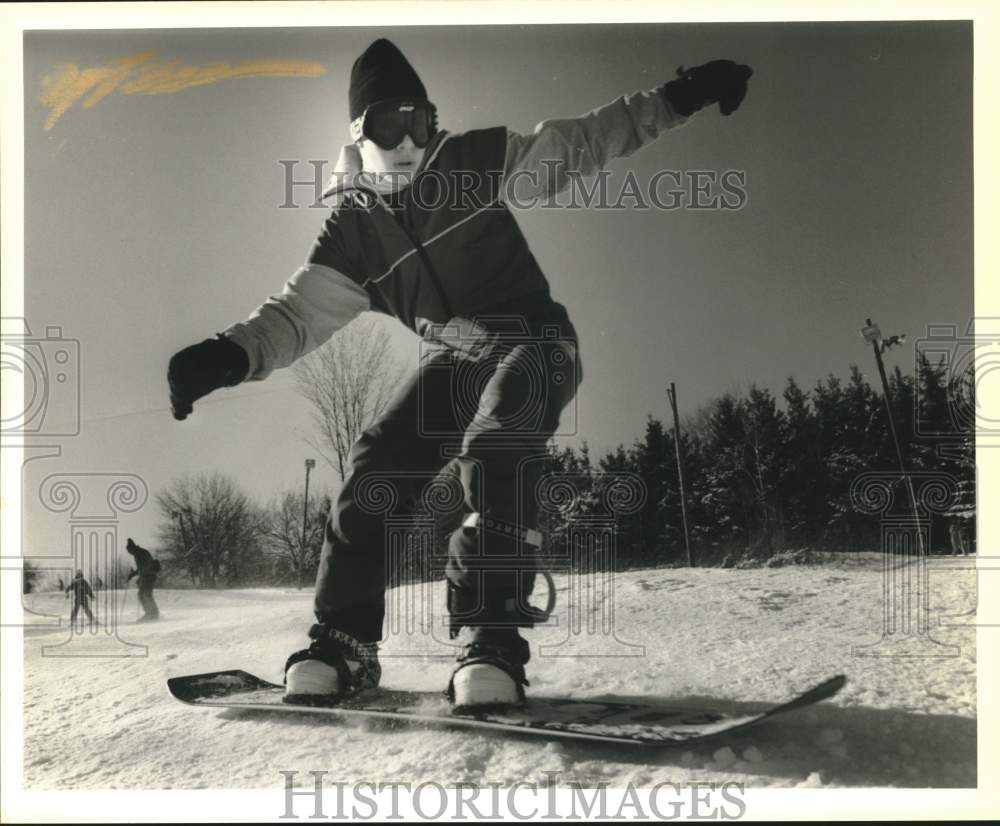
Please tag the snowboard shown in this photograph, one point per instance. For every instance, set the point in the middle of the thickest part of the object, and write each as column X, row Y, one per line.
column 645, row 723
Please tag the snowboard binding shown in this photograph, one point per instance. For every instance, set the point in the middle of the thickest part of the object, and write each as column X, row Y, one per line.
column 490, row 670
column 335, row 665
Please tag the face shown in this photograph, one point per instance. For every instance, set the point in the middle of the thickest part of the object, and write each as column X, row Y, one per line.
column 397, row 164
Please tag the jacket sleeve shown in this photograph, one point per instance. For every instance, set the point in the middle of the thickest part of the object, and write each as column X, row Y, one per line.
column 316, row 302
column 542, row 163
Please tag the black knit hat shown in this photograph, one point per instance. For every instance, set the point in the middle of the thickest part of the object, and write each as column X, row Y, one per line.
column 382, row 72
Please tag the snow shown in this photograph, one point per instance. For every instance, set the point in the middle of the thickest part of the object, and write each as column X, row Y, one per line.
column 829, row 737
column 731, row 639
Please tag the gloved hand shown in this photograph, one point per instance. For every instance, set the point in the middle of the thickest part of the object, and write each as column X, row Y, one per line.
column 719, row 81
column 201, row 368
column 130, row 544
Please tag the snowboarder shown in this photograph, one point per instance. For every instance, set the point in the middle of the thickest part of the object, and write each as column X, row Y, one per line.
column 147, row 569
column 80, row 589
column 459, row 273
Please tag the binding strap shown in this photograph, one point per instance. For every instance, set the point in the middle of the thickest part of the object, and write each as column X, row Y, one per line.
column 334, row 648
column 484, row 653
column 331, row 657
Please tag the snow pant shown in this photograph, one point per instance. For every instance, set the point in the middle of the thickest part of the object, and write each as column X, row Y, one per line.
column 149, row 607
column 76, row 609
column 490, row 402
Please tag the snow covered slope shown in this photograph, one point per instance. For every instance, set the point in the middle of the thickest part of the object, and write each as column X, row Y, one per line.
column 733, row 639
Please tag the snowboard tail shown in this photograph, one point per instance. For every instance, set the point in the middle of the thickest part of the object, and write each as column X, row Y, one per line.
column 636, row 723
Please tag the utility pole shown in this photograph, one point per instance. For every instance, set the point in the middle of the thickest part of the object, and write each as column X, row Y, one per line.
column 672, row 393
column 310, row 464
column 873, row 335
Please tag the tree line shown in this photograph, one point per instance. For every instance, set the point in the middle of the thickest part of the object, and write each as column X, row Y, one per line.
column 762, row 478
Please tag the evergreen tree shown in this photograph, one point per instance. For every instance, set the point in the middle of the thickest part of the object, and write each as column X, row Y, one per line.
column 728, row 493
column 804, row 489
column 631, row 541
column 764, row 428
column 653, row 460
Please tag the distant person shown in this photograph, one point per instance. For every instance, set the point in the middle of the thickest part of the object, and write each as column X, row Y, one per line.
column 957, row 534
column 147, row 569
column 80, row 589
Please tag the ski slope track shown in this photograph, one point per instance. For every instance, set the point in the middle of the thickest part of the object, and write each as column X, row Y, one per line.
column 734, row 640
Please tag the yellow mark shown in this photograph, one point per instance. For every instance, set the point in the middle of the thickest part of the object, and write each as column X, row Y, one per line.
column 69, row 83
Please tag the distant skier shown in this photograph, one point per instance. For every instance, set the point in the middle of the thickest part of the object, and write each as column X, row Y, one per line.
column 456, row 269
column 80, row 589
column 147, row 569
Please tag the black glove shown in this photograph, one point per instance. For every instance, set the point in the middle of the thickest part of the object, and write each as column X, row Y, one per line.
column 719, row 81
column 201, row 368
column 130, row 544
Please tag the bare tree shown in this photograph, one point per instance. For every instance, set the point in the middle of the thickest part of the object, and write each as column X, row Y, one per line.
column 348, row 381
column 211, row 531
column 296, row 552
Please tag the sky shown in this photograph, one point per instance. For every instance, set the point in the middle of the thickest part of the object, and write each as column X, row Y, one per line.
column 152, row 221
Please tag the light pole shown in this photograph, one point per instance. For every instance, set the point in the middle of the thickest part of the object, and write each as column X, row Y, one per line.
column 310, row 464
column 873, row 335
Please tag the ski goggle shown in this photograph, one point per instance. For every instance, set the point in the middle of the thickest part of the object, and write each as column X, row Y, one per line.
column 387, row 122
